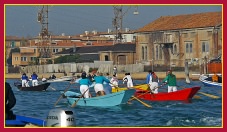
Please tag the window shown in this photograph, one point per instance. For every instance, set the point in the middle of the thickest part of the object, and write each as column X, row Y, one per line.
column 142, row 53
column 145, row 57
column 175, row 49
column 156, row 52
column 205, row 46
column 33, row 58
column 55, row 50
column 188, row 47
column 23, row 58
column 106, row 58
column 16, row 58
column 160, row 52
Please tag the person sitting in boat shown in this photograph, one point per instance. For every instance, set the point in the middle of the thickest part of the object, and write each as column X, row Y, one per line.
column 171, row 80
column 128, row 79
column 153, row 84
column 24, row 80
column 34, row 78
column 215, row 78
column 99, row 80
column 10, row 102
column 114, row 82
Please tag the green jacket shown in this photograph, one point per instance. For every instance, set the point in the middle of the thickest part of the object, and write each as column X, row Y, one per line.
column 170, row 79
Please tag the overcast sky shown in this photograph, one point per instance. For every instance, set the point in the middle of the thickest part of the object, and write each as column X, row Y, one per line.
column 21, row 21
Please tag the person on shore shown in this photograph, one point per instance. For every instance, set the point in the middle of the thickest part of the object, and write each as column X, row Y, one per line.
column 115, row 71
column 128, row 79
column 34, row 78
column 10, row 102
column 24, row 80
column 171, row 80
column 99, row 79
column 154, row 83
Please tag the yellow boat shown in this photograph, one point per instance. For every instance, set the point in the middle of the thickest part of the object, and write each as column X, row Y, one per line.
column 139, row 87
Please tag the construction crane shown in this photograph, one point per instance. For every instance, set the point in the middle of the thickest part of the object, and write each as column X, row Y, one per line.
column 44, row 35
column 118, row 20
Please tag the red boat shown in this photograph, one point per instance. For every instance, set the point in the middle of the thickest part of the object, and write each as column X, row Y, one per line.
column 182, row 95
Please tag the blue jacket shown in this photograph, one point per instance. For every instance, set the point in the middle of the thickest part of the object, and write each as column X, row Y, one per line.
column 148, row 78
column 85, row 81
column 101, row 79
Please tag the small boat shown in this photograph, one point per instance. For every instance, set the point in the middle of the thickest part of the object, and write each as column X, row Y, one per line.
column 180, row 95
column 22, row 121
column 113, row 99
column 40, row 87
column 207, row 80
column 56, row 118
column 61, row 79
column 138, row 87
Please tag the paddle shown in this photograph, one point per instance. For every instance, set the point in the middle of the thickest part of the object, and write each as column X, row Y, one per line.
column 62, row 94
column 145, row 104
column 209, row 95
column 74, row 104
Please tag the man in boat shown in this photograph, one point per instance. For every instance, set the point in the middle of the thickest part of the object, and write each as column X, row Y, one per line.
column 99, row 80
column 115, row 71
column 10, row 102
column 154, row 80
column 171, row 80
column 114, row 82
column 34, row 78
column 215, row 78
column 107, row 86
column 24, row 80
column 84, row 85
column 128, row 79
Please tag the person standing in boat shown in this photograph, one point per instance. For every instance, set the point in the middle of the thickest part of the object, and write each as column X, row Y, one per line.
column 115, row 71
column 34, row 78
column 10, row 102
column 171, row 80
column 107, row 87
column 99, row 80
column 84, row 85
column 128, row 79
column 154, row 83
column 114, row 82
column 148, row 78
column 24, row 80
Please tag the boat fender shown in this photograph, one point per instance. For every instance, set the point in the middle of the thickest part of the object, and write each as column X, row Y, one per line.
column 60, row 118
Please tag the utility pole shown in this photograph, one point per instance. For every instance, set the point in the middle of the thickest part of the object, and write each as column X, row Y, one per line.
column 118, row 20
column 44, row 35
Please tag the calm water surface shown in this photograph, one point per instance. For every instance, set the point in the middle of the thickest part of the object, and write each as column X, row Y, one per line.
column 201, row 112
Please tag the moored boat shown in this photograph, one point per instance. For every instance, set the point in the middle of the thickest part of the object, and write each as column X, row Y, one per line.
column 180, row 95
column 40, row 87
column 60, row 79
column 113, row 99
column 207, row 80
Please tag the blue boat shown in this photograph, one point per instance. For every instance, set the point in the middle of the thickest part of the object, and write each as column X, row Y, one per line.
column 113, row 99
column 22, row 121
column 207, row 80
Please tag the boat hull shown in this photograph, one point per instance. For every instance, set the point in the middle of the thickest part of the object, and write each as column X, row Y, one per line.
column 41, row 87
column 61, row 79
column 180, row 95
column 113, row 99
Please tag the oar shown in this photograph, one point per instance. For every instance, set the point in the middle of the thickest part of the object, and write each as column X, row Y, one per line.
column 145, row 104
column 62, row 94
column 209, row 95
column 74, row 104
column 52, row 88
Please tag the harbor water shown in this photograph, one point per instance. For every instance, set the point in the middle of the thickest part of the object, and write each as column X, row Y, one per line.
column 202, row 111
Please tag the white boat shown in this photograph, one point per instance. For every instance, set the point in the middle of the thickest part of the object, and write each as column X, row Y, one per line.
column 61, row 79
column 207, row 80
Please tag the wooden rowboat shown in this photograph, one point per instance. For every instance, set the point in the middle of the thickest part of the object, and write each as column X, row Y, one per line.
column 40, row 87
column 113, row 99
column 180, row 95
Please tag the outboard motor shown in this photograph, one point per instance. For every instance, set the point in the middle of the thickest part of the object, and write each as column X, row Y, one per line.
column 60, row 118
